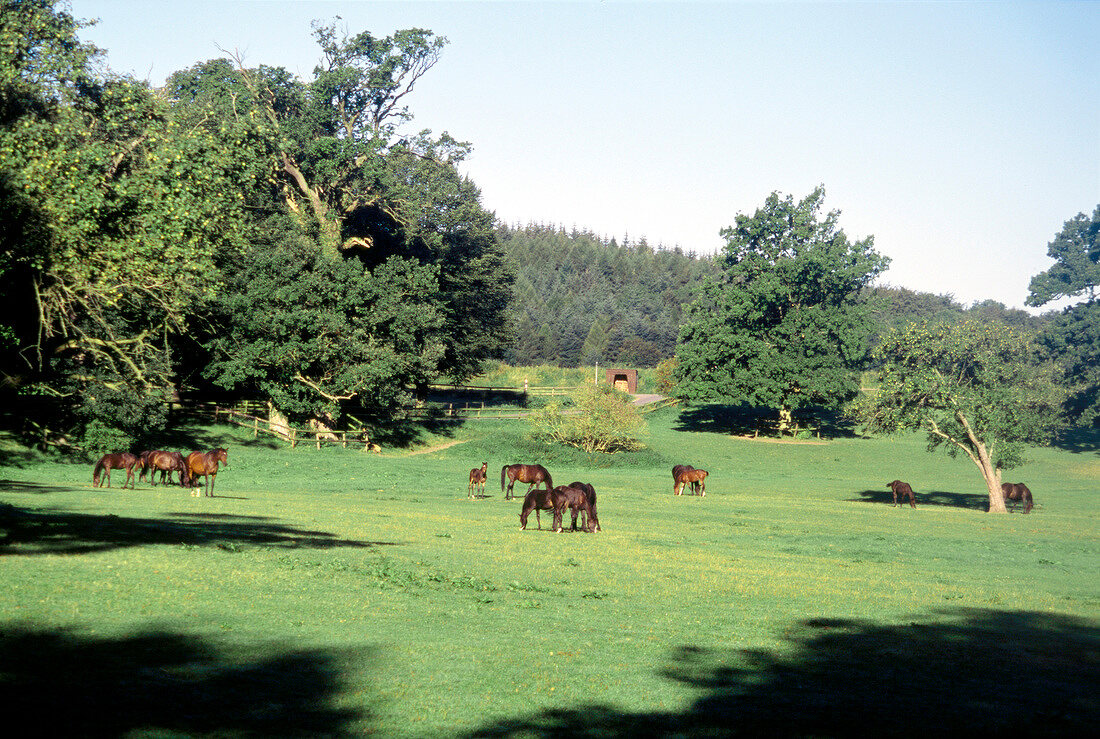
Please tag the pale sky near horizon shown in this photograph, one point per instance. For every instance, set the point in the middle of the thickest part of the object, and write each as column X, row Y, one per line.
column 961, row 135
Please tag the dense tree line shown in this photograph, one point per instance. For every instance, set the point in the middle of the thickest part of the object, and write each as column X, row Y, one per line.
column 240, row 229
column 581, row 299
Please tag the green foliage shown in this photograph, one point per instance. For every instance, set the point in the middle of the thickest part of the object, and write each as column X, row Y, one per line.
column 119, row 211
column 600, row 419
column 309, row 332
column 785, row 324
column 580, row 299
column 1076, row 271
column 972, row 387
column 374, row 265
column 1072, row 338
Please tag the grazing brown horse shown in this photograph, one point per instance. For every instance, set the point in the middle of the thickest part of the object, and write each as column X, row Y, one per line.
column 576, row 499
column 902, row 488
column 536, row 500
column 205, row 464
column 477, row 479
column 1017, row 492
column 166, row 463
column 116, row 461
column 676, row 471
column 697, row 478
column 532, row 474
column 590, row 493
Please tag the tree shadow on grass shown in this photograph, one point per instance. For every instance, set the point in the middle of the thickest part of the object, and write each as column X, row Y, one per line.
column 966, row 672
column 65, row 684
column 1079, row 440
column 744, row 420
column 970, row 501
column 46, row 531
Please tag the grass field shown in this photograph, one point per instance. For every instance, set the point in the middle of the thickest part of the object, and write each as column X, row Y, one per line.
column 337, row 592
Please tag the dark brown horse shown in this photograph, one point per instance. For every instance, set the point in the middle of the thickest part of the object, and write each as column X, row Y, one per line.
column 116, row 461
column 477, row 479
column 166, row 463
column 536, row 500
column 590, row 493
column 576, row 499
column 902, row 488
column 697, row 478
column 532, row 474
column 1017, row 492
column 205, row 464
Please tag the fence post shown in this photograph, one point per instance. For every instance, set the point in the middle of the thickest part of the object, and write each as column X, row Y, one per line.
column 293, row 437
column 255, row 427
column 318, row 435
column 344, row 438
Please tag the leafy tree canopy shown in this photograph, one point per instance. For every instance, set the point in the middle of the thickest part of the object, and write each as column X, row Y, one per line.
column 972, row 387
column 784, row 324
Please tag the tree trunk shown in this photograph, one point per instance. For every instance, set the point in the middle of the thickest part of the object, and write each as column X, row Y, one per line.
column 277, row 422
column 992, row 477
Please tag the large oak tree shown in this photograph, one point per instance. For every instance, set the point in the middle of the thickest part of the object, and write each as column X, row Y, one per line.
column 785, row 323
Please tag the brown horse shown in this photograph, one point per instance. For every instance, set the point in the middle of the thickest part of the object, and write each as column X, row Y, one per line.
column 166, row 463
column 477, row 479
column 697, row 478
column 1017, row 492
column 116, row 461
column 676, row 471
column 205, row 464
column 902, row 488
column 532, row 474
column 536, row 500
column 576, row 499
column 590, row 494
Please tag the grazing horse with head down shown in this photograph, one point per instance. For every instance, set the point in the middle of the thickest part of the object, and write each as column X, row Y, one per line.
column 115, row 461
column 1017, row 492
column 536, row 500
column 205, row 464
column 477, row 479
column 532, row 474
column 590, row 494
column 688, row 474
column 902, row 488
column 166, row 463
column 576, row 499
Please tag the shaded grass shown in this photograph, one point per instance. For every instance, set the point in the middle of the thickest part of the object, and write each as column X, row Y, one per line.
column 427, row 614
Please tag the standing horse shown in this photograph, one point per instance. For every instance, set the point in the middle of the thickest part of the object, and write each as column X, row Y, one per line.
column 590, row 494
column 902, row 488
column 477, row 479
column 166, row 463
column 576, row 499
column 676, row 471
column 205, row 464
column 1017, row 492
column 116, row 461
column 535, row 500
column 532, row 474
column 697, row 478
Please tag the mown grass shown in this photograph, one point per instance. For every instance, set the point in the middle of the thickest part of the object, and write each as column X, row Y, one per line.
column 339, row 592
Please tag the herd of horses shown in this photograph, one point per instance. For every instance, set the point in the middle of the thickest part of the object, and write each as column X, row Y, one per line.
column 195, row 465
column 1014, row 492
column 578, row 497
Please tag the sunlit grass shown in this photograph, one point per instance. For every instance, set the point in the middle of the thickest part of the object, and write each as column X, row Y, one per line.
column 468, row 621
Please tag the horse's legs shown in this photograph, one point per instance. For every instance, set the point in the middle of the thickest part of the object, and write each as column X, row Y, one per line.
column 212, row 477
column 703, row 488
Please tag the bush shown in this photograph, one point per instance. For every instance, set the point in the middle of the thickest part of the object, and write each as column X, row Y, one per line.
column 603, row 420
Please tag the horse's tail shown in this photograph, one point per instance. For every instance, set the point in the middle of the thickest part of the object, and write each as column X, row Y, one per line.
column 96, row 471
column 549, row 480
column 503, row 470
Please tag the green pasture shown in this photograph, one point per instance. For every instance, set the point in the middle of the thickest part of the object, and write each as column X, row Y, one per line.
column 338, row 592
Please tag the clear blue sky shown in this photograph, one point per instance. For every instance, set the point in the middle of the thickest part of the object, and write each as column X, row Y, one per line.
column 961, row 135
